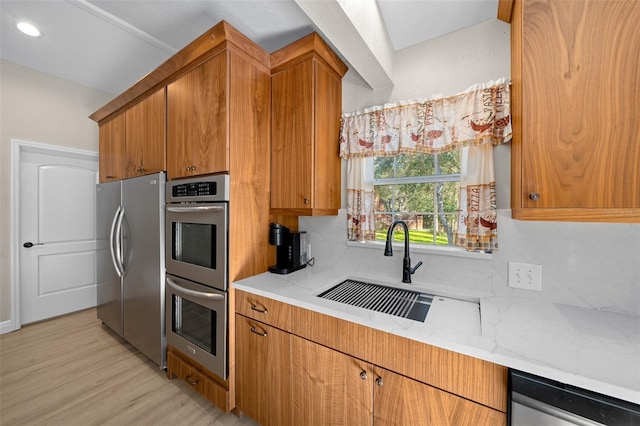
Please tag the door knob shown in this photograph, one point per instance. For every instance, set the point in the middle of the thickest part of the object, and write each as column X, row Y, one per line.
column 29, row 244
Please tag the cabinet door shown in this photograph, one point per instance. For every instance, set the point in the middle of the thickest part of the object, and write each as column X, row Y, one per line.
column 576, row 88
column 327, row 167
column 292, row 137
column 263, row 389
column 112, row 149
column 197, row 103
column 399, row 400
column 328, row 387
column 145, row 144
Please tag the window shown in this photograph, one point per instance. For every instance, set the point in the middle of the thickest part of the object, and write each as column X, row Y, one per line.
column 423, row 191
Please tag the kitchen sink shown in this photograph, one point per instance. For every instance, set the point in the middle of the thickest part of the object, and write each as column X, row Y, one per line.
column 402, row 303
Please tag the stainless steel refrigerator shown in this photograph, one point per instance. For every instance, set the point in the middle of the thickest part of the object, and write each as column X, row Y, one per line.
column 130, row 261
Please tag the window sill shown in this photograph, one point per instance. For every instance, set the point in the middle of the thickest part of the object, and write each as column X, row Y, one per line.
column 436, row 250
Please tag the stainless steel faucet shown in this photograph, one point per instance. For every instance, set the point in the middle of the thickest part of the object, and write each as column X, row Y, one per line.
column 407, row 271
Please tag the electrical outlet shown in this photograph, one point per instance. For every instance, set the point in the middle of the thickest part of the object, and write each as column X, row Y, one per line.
column 525, row 275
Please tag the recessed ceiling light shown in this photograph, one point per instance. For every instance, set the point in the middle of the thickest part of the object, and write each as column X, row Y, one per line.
column 29, row 29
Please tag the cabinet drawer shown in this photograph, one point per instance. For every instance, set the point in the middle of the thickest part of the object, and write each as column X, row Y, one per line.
column 263, row 309
column 198, row 380
column 186, row 373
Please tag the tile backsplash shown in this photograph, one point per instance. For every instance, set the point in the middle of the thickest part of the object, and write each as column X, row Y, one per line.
column 583, row 264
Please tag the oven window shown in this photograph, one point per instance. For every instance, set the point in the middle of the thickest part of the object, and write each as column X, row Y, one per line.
column 194, row 243
column 195, row 323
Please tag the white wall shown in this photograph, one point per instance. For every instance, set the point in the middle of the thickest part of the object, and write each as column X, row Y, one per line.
column 583, row 264
column 37, row 107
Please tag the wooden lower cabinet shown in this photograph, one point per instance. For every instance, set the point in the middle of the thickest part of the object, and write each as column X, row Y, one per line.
column 299, row 367
column 399, row 400
column 329, row 387
column 178, row 365
column 262, row 372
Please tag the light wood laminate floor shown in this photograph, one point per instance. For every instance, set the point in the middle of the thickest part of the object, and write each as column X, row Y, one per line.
column 72, row 370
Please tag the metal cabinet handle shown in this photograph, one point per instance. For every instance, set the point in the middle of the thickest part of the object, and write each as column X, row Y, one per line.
column 191, row 168
column 109, row 177
column 534, row 196
column 260, row 332
column 140, row 169
column 255, row 308
column 191, row 381
column 306, row 201
column 379, row 381
column 363, row 375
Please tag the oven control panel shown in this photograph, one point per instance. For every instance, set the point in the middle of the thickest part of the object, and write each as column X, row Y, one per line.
column 198, row 190
column 194, row 189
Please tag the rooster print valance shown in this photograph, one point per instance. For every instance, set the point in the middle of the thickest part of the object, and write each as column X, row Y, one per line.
column 477, row 116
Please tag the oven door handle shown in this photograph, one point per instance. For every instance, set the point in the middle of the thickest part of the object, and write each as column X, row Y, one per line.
column 195, row 209
column 193, row 293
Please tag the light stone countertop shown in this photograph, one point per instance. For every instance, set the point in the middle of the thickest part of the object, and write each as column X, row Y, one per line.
column 588, row 348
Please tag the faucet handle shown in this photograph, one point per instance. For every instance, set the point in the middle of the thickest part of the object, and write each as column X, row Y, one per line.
column 416, row 267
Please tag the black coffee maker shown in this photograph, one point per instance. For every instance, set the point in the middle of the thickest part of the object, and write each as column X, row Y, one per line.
column 292, row 249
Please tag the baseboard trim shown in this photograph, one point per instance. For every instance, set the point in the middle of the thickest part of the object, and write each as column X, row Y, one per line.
column 7, row 327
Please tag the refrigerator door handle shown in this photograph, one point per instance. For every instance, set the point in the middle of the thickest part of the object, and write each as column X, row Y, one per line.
column 178, row 287
column 119, row 255
column 112, row 242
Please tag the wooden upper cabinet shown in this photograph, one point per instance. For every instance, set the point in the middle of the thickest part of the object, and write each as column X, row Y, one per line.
column 145, row 132
column 575, row 92
column 112, row 157
column 306, row 87
column 132, row 142
column 197, row 120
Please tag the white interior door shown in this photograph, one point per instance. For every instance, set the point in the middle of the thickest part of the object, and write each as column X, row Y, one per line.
column 57, row 251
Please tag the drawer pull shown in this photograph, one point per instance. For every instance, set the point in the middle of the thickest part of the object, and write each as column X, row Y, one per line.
column 191, row 168
column 363, row 375
column 534, row 196
column 260, row 332
column 379, row 381
column 262, row 310
column 192, row 382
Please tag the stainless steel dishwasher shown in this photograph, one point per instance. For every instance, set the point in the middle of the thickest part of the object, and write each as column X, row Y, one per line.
column 537, row 401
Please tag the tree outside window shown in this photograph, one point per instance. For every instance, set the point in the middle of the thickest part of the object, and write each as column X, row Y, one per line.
column 423, row 191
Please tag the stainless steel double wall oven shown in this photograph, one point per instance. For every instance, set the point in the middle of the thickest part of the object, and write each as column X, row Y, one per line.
column 197, row 269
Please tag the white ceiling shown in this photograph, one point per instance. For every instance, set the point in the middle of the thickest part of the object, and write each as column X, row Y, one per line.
column 109, row 45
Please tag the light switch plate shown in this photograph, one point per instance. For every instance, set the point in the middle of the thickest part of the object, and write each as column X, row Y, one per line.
column 525, row 275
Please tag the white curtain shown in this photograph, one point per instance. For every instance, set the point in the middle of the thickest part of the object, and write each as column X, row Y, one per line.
column 360, row 199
